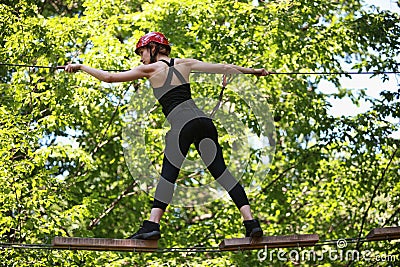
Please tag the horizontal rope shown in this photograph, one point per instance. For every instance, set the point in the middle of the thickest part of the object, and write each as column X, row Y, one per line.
column 271, row 72
column 46, row 67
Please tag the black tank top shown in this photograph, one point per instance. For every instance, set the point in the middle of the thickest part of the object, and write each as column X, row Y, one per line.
column 170, row 96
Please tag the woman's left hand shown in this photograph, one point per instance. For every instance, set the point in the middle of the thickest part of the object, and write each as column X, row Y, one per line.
column 261, row 72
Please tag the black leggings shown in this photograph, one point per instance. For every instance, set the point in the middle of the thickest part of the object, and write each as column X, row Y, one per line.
column 201, row 132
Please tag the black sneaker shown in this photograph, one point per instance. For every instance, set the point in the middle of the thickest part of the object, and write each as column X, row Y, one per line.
column 148, row 231
column 253, row 228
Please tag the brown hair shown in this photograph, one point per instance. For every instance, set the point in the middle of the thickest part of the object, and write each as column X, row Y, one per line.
column 163, row 49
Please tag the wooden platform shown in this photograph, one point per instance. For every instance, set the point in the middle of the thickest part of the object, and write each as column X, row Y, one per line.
column 247, row 243
column 387, row 233
column 286, row 241
column 105, row 244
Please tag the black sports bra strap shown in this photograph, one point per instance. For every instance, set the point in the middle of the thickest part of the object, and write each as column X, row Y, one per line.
column 172, row 70
column 180, row 76
column 166, row 62
column 168, row 80
column 177, row 73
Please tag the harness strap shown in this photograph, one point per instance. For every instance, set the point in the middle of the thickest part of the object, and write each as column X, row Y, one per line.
column 221, row 94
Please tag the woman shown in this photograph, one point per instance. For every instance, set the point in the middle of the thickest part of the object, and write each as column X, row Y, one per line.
column 170, row 81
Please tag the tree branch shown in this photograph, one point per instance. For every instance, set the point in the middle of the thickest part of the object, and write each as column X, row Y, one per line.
column 94, row 222
column 372, row 198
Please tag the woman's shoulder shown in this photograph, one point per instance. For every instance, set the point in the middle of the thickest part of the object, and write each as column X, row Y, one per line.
column 185, row 60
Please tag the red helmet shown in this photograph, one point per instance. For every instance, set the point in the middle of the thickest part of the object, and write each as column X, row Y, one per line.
column 156, row 37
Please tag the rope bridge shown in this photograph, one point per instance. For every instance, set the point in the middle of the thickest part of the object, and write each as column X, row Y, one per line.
column 234, row 244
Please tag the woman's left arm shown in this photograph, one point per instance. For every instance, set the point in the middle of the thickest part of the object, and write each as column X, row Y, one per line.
column 223, row 68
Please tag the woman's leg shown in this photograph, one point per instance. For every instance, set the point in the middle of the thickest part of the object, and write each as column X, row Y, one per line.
column 220, row 172
column 156, row 214
column 245, row 211
column 175, row 142
column 211, row 153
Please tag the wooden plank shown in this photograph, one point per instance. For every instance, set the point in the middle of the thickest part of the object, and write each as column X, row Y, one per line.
column 285, row 241
column 77, row 243
column 387, row 233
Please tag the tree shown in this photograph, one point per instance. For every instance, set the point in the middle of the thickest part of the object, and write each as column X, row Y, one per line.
column 334, row 176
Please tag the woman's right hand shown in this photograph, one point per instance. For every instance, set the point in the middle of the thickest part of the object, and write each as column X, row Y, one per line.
column 73, row 67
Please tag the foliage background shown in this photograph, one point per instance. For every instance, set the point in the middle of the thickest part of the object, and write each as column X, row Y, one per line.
column 334, row 176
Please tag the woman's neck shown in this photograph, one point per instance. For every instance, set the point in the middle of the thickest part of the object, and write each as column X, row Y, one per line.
column 163, row 57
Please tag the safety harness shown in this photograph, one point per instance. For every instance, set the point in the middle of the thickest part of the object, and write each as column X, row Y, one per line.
column 225, row 82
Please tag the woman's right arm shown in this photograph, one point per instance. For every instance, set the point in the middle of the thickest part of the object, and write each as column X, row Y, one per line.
column 142, row 71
